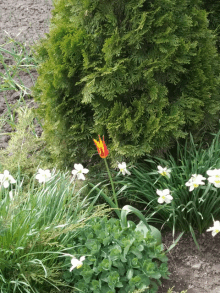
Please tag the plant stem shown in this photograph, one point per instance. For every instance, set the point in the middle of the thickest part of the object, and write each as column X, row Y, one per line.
column 112, row 184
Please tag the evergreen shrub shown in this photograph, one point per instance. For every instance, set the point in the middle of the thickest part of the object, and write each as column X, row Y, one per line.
column 143, row 73
column 213, row 9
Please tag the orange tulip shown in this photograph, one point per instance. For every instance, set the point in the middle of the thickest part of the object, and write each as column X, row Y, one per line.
column 101, row 147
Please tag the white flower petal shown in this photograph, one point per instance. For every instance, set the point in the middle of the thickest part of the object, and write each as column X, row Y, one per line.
column 217, row 225
column 6, row 184
column 215, row 172
column 82, row 258
column 123, row 165
column 72, row 268
column 119, row 166
column 191, row 188
column 47, row 173
column 6, row 173
column 159, row 192
column 215, row 229
column 160, row 200
column 188, row 183
column 166, row 191
column 128, row 172
column 211, row 179
column 168, row 198
column 74, row 261
column 12, row 180
column 160, row 168
column 80, row 176
column 78, row 167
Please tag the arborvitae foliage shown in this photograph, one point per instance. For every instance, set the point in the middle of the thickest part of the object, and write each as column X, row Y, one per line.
column 213, row 9
column 143, row 73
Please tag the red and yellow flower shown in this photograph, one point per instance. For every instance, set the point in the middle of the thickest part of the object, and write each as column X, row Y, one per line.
column 101, row 147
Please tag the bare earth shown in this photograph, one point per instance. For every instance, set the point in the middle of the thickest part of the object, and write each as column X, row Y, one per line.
column 192, row 270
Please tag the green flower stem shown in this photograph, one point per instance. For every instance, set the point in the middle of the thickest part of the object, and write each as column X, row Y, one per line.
column 112, row 184
column 107, row 199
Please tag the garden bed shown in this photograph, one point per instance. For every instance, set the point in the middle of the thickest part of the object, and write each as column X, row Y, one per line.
column 192, row 270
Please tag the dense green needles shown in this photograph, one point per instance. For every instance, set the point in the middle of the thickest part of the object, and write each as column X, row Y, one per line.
column 143, row 73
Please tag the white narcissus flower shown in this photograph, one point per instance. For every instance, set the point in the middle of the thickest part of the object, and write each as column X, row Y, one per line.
column 195, row 181
column 164, row 171
column 43, row 175
column 164, row 196
column 79, row 171
column 6, row 179
column 123, row 169
column 214, row 177
column 77, row 263
column 215, row 229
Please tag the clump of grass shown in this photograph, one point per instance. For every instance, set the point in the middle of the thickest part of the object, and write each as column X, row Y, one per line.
column 37, row 227
column 189, row 210
column 16, row 58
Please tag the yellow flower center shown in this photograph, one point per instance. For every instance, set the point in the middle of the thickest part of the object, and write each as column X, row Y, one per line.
column 79, row 266
column 217, row 231
column 195, row 185
column 164, row 173
column 217, row 181
column 164, row 197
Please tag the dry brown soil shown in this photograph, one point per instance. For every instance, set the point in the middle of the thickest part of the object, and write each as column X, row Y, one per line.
column 192, row 270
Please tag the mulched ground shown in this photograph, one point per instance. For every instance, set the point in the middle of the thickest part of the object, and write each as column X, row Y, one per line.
column 192, row 270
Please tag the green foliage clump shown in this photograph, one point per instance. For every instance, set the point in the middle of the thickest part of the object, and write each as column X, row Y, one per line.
column 25, row 148
column 189, row 211
column 116, row 259
column 36, row 228
column 140, row 72
column 213, row 9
